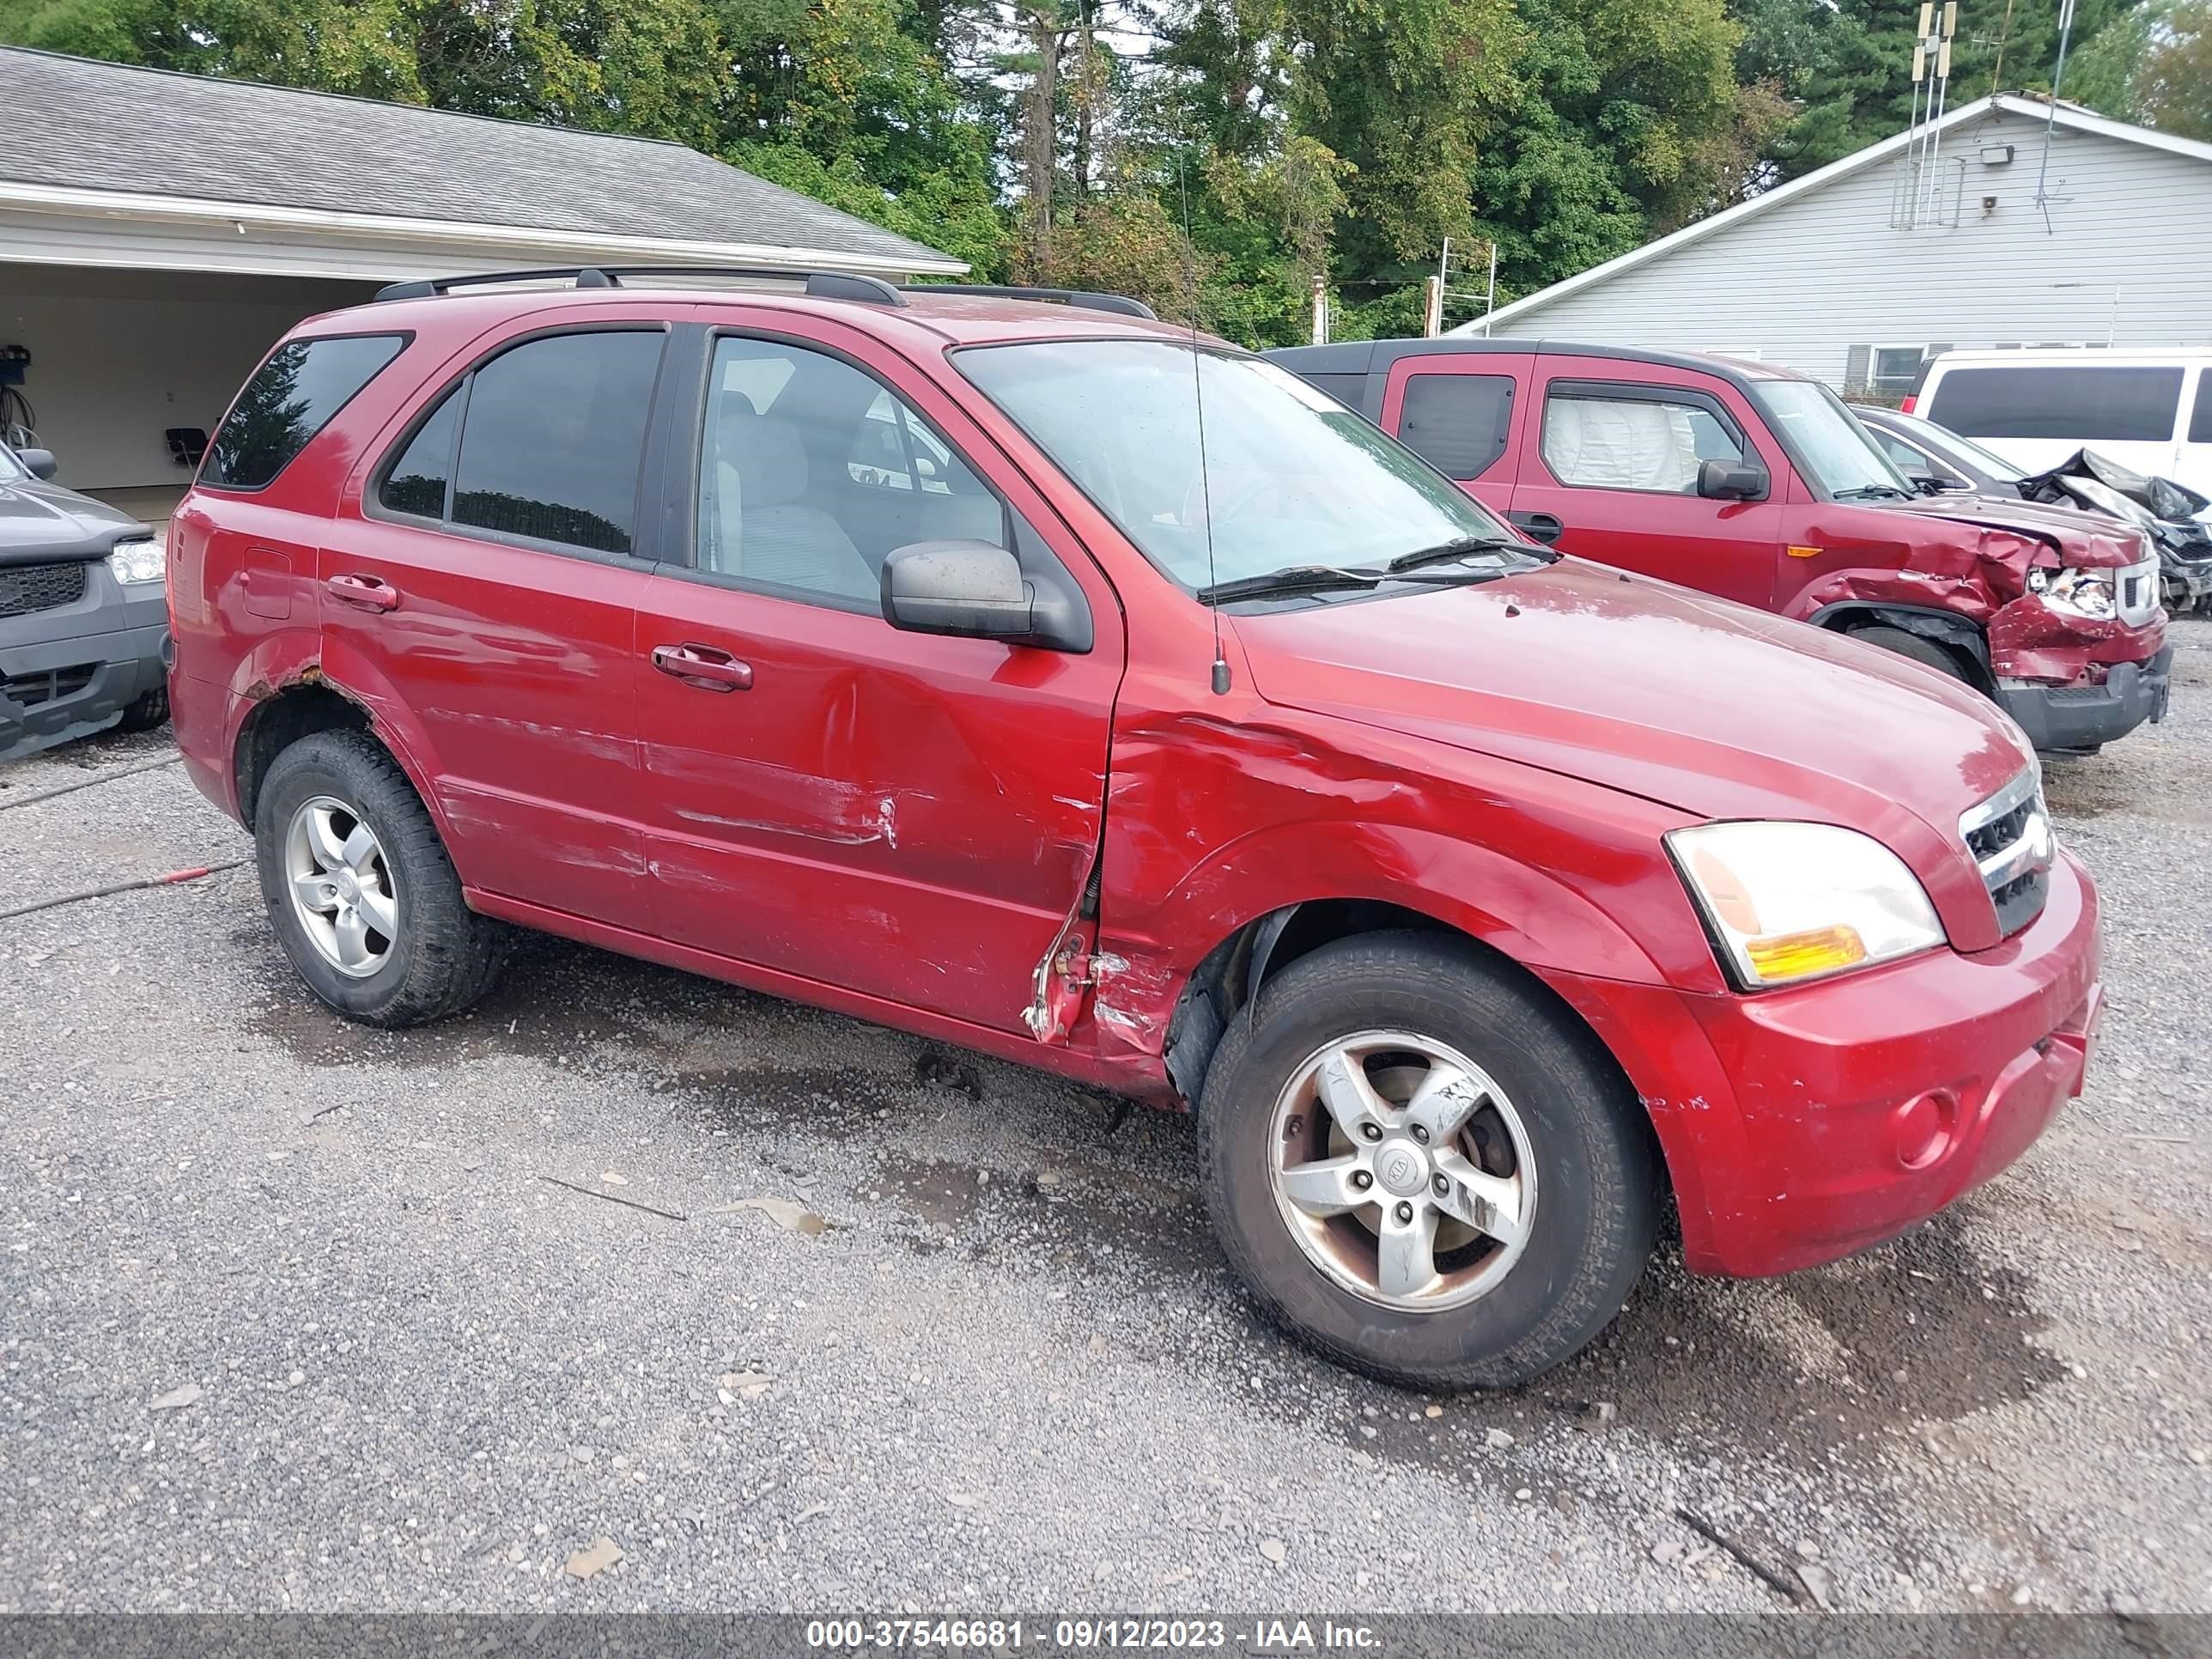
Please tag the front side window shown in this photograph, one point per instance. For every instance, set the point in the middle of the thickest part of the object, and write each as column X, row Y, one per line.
column 2068, row 403
column 892, row 450
column 11, row 469
column 1956, row 449
column 1903, row 456
column 2200, row 418
column 1458, row 423
column 290, row 399
column 1593, row 441
column 1837, row 455
column 1285, row 476
column 811, row 473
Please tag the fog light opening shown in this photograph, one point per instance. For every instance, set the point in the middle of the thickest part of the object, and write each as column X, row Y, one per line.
column 1923, row 1128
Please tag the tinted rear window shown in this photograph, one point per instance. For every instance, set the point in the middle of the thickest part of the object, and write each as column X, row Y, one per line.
column 1457, row 422
column 2063, row 402
column 2200, row 419
column 422, row 477
column 291, row 397
column 552, row 439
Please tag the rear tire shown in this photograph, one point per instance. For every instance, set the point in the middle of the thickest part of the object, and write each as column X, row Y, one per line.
column 1939, row 657
column 1580, row 1192
column 382, row 933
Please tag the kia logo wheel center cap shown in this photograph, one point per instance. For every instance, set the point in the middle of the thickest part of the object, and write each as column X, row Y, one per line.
column 1402, row 1169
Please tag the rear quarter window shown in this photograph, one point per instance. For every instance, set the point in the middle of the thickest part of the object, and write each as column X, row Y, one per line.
column 2066, row 402
column 1457, row 422
column 290, row 399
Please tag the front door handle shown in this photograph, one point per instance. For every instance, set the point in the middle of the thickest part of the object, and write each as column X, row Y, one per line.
column 704, row 667
column 371, row 591
column 1542, row 525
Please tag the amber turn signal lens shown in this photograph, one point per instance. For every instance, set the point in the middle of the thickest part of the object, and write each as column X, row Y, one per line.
column 1795, row 956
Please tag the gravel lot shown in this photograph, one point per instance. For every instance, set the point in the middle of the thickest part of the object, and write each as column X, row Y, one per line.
column 292, row 1316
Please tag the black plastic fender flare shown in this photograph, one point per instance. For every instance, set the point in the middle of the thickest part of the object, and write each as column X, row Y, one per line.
column 1944, row 627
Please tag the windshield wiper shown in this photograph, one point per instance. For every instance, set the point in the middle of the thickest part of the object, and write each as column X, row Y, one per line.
column 1460, row 547
column 1873, row 492
column 1296, row 579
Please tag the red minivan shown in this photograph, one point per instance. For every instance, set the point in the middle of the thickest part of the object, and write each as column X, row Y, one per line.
column 1756, row 483
column 1033, row 676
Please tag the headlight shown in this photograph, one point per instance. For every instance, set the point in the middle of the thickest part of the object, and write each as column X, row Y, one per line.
column 1790, row 902
column 136, row 561
column 2076, row 593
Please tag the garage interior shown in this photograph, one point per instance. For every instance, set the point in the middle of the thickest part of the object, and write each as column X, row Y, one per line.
column 120, row 358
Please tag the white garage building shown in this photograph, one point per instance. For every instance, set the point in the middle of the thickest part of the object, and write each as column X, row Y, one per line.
column 158, row 232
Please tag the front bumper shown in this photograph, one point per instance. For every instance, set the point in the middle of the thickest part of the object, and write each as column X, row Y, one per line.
column 2082, row 716
column 1801, row 1126
column 72, row 671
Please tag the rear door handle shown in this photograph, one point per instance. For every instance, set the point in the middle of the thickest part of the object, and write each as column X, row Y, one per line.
column 367, row 591
column 1542, row 525
column 704, row 667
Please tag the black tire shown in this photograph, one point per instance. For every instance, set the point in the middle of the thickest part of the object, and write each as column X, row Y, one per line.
column 444, row 956
column 1597, row 1171
column 145, row 713
column 1942, row 659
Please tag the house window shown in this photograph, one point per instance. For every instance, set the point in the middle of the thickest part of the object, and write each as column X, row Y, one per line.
column 1891, row 370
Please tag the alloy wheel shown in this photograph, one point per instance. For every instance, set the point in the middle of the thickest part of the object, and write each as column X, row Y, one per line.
column 1403, row 1170
column 343, row 891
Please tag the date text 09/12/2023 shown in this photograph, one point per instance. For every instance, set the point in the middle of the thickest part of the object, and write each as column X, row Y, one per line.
column 1259, row 1636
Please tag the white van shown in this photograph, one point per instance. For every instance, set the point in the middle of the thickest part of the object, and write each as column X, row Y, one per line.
column 2149, row 410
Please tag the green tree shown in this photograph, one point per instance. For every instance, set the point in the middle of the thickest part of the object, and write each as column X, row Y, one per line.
column 1857, row 87
column 2171, row 88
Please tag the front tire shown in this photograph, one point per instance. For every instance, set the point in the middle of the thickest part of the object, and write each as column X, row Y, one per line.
column 145, row 712
column 1422, row 1169
column 360, row 889
column 1938, row 657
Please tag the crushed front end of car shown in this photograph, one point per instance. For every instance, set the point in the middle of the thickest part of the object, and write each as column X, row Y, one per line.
column 2068, row 607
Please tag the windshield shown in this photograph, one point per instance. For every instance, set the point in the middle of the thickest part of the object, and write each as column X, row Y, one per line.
column 1291, row 477
column 1831, row 447
column 1981, row 459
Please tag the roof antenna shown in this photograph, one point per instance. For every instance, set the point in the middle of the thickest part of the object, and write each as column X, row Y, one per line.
column 1198, row 396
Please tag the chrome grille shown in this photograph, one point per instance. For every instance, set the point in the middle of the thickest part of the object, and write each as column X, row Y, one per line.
column 25, row 588
column 2010, row 838
column 2135, row 592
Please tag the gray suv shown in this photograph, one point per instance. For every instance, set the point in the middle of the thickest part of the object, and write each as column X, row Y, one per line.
column 83, row 612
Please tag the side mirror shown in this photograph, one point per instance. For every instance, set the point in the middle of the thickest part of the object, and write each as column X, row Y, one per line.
column 1731, row 481
column 978, row 590
column 39, row 462
column 1930, row 483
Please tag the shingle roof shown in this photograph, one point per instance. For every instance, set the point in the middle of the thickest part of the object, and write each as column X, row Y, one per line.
column 78, row 124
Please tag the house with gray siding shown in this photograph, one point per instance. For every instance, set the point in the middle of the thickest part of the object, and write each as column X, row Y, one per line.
column 2014, row 222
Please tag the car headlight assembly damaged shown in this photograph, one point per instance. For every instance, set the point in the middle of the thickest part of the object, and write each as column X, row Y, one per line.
column 1786, row 903
column 2075, row 592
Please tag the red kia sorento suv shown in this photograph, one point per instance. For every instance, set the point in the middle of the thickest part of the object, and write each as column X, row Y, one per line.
column 1017, row 670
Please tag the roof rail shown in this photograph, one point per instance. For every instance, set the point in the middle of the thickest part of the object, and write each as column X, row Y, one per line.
column 1120, row 304
column 820, row 284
